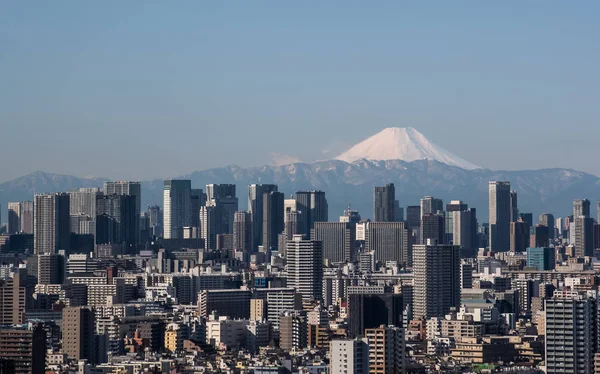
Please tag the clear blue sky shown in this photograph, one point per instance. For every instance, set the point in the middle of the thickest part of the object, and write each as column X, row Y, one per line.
column 129, row 90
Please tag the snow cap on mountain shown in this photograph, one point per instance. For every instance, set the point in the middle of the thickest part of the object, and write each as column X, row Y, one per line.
column 402, row 143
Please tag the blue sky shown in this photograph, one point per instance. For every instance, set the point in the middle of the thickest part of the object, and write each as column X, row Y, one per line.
column 131, row 90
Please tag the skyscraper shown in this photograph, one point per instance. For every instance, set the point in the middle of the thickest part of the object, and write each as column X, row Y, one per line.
column 116, row 219
column 436, row 271
column 500, row 213
column 208, row 225
column 305, row 267
column 78, row 333
column 519, row 236
column 464, row 226
column 384, row 203
column 541, row 258
column 514, row 206
column 51, row 269
column 431, row 205
column 390, row 241
column 52, row 223
column 227, row 200
column 432, row 227
column 242, row 231
column 338, row 238
column 313, row 207
column 272, row 219
column 349, row 356
column 581, row 207
column 540, row 236
column 14, row 218
column 584, row 236
column 255, row 206
column 547, row 219
column 26, row 217
column 177, row 207
column 197, row 200
column 372, row 310
column 131, row 189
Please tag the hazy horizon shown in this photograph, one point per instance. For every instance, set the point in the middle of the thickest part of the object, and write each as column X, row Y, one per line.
column 145, row 91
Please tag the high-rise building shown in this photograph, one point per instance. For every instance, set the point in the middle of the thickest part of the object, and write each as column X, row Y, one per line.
column 540, row 236
column 581, row 207
column 78, row 333
column 350, row 216
column 13, row 293
column 386, row 350
column 272, row 219
column 338, row 238
column 116, row 219
column 413, row 216
column 431, row 205
column 514, row 206
column 384, row 198
column 313, row 207
column 571, row 333
column 208, row 225
column 242, row 231
column 500, row 214
column 541, row 258
column 519, row 236
column 372, row 310
column 305, row 267
column 390, row 241
column 14, row 218
column 598, row 211
column 197, row 200
column 51, row 269
column 25, row 347
column 255, row 206
column 26, row 225
column 52, row 223
column 155, row 217
column 584, row 236
column 436, row 271
column 527, row 218
column 227, row 200
column 464, row 231
column 293, row 330
column 130, row 189
column 398, row 211
column 432, row 227
column 177, row 206
column 349, row 356
column 547, row 219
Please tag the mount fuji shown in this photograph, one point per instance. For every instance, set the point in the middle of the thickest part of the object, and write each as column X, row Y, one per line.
column 402, row 143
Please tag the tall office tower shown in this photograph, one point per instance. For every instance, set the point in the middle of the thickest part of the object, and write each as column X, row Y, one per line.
column 547, row 219
column 349, row 356
column 51, row 269
column 155, row 216
column 131, row 189
column 540, row 236
column 312, row 206
column 177, row 207
column 305, row 267
column 464, row 227
column 384, row 198
column 350, row 216
column 386, row 350
column 372, row 310
column 598, row 211
column 255, row 206
column 242, row 231
column 228, row 203
column 519, row 236
column 584, row 236
column 541, row 258
column 398, row 212
column 14, row 218
column 272, row 219
column 432, row 227
column 13, row 293
column 338, row 238
column 116, row 219
column 527, row 218
column 25, row 347
column 78, row 333
column 431, row 205
column 570, row 326
column 500, row 212
column 514, row 206
column 52, row 223
column 436, row 271
column 83, row 201
column 413, row 216
column 581, row 207
column 456, row 206
column 208, row 226
column 197, row 200
column 26, row 224
column 390, row 241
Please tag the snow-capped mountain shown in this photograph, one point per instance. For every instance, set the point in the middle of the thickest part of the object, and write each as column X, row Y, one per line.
column 402, row 143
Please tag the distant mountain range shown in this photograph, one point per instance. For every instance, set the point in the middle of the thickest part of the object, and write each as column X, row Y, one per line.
column 546, row 190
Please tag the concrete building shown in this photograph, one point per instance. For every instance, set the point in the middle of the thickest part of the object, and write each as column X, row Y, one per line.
column 499, row 216
column 13, row 293
column 313, row 207
column 78, row 333
column 255, row 207
column 14, row 218
column 293, row 330
column 583, row 236
column 431, row 205
column 272, row 216
column 543, row 258
column 225, row 197
column 177, row 206
column 116, row 220
column 519, row 236
column 52, row 223
column 436, row 271
column 208, row 225
column 386, row 350
column 514, row 206
column 233, row 303
column 547, row 219
column 242, row 231
column 305, row 267
column 433, row 228
column 338, row 238
column 51, row 269
column 384, row 198
column 370, row 310
column 581, row 207
column 349, row 356
column 25, row 346
column 389, row 241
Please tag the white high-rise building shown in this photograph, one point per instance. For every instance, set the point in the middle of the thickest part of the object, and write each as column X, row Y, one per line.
column 51, row 227
column 349, row 356
column 305, row 267
column 177, row 204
